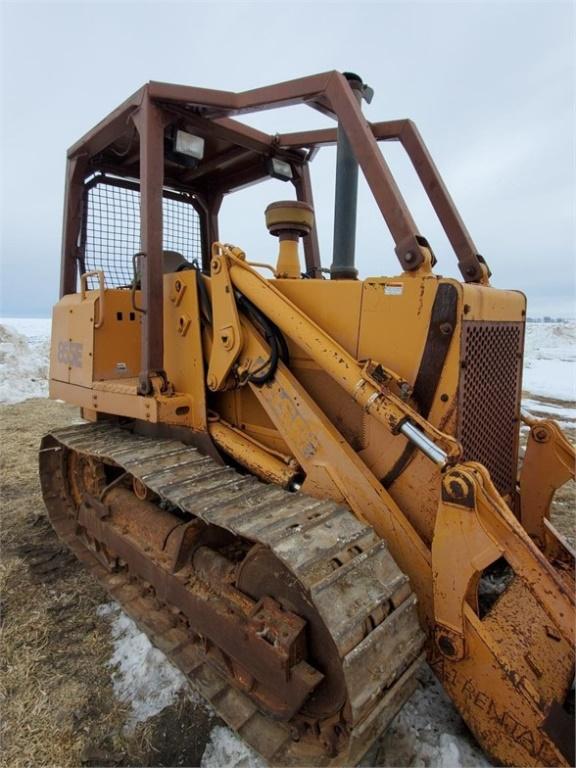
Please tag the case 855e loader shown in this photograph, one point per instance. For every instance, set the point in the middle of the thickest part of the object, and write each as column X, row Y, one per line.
column 300, row 486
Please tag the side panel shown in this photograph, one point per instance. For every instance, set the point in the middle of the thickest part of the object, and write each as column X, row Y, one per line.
column 183, row 360
column 117, row 340
column 333, row 304
column 72, row 344
column 396, row 315
column 94, row 340
column 95, row 360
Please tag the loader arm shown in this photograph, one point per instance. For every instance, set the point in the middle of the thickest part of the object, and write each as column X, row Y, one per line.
column 508, row 671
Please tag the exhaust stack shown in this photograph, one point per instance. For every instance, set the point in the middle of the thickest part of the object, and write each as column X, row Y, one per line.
column 346, row 199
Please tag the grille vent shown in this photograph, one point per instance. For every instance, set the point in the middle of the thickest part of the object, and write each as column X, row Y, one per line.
column 489, row 398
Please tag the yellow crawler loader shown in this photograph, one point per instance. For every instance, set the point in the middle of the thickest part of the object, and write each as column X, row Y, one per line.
column 300, row 483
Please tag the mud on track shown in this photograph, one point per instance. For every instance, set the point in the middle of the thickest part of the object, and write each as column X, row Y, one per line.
column 57, row 699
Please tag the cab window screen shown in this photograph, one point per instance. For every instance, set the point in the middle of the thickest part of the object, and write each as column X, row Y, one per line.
column 111, row 231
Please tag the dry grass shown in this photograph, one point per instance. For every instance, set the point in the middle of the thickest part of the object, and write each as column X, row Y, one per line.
column 58, row 706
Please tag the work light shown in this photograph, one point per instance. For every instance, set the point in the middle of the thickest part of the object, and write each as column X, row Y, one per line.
column 279, row 169
column 189, row 145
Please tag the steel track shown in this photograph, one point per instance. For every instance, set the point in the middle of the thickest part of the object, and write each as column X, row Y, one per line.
column 344, row 567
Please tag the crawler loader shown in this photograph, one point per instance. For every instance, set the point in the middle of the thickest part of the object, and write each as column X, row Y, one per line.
column 301, row 484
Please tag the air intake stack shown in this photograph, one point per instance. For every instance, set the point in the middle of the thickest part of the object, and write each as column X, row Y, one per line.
column 346, row 198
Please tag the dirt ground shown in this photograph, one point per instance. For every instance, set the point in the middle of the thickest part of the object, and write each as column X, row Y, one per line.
column 57, row 700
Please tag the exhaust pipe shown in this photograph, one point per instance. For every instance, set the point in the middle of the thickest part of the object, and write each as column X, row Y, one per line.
column 346, row 199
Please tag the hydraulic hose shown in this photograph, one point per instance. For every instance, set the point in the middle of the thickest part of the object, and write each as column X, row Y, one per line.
column 272, row 334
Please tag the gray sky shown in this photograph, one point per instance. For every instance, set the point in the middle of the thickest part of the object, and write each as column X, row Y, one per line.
column 490, row 85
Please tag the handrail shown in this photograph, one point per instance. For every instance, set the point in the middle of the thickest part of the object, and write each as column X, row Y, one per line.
column 101, row 290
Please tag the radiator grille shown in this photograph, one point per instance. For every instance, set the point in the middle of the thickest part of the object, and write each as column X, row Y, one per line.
column 489, row 397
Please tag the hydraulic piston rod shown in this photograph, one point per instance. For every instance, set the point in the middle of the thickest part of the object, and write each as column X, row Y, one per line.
column 428, row 448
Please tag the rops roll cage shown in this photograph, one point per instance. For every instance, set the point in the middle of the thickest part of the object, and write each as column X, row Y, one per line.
column 130, row 144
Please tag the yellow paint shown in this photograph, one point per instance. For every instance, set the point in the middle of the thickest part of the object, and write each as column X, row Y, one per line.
column 183, row 356
column 288, row 265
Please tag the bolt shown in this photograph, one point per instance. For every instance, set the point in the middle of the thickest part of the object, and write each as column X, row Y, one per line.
column 226, row 341
column 405, row 390
column 446, row 646
column 446, row 329
column 471, row 271
column 409, row 257
column 455, row 486
column 540, row 435
column 444, row 398
column 457, row 490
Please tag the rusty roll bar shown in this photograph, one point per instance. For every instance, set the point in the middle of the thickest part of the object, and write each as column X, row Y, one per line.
column 238, row 156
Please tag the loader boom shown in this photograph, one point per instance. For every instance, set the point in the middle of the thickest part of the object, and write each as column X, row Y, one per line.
column 472, row 518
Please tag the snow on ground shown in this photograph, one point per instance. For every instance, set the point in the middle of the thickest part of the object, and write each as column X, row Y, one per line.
column 226, row 750
column 550, row 360
column 24, row 355
column 564, row 415
column 142, row 676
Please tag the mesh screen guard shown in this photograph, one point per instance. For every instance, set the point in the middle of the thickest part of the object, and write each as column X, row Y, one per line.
column 489, row 397
column 111, row 231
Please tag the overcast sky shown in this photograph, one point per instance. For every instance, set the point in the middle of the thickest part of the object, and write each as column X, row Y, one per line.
column 490, row 85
